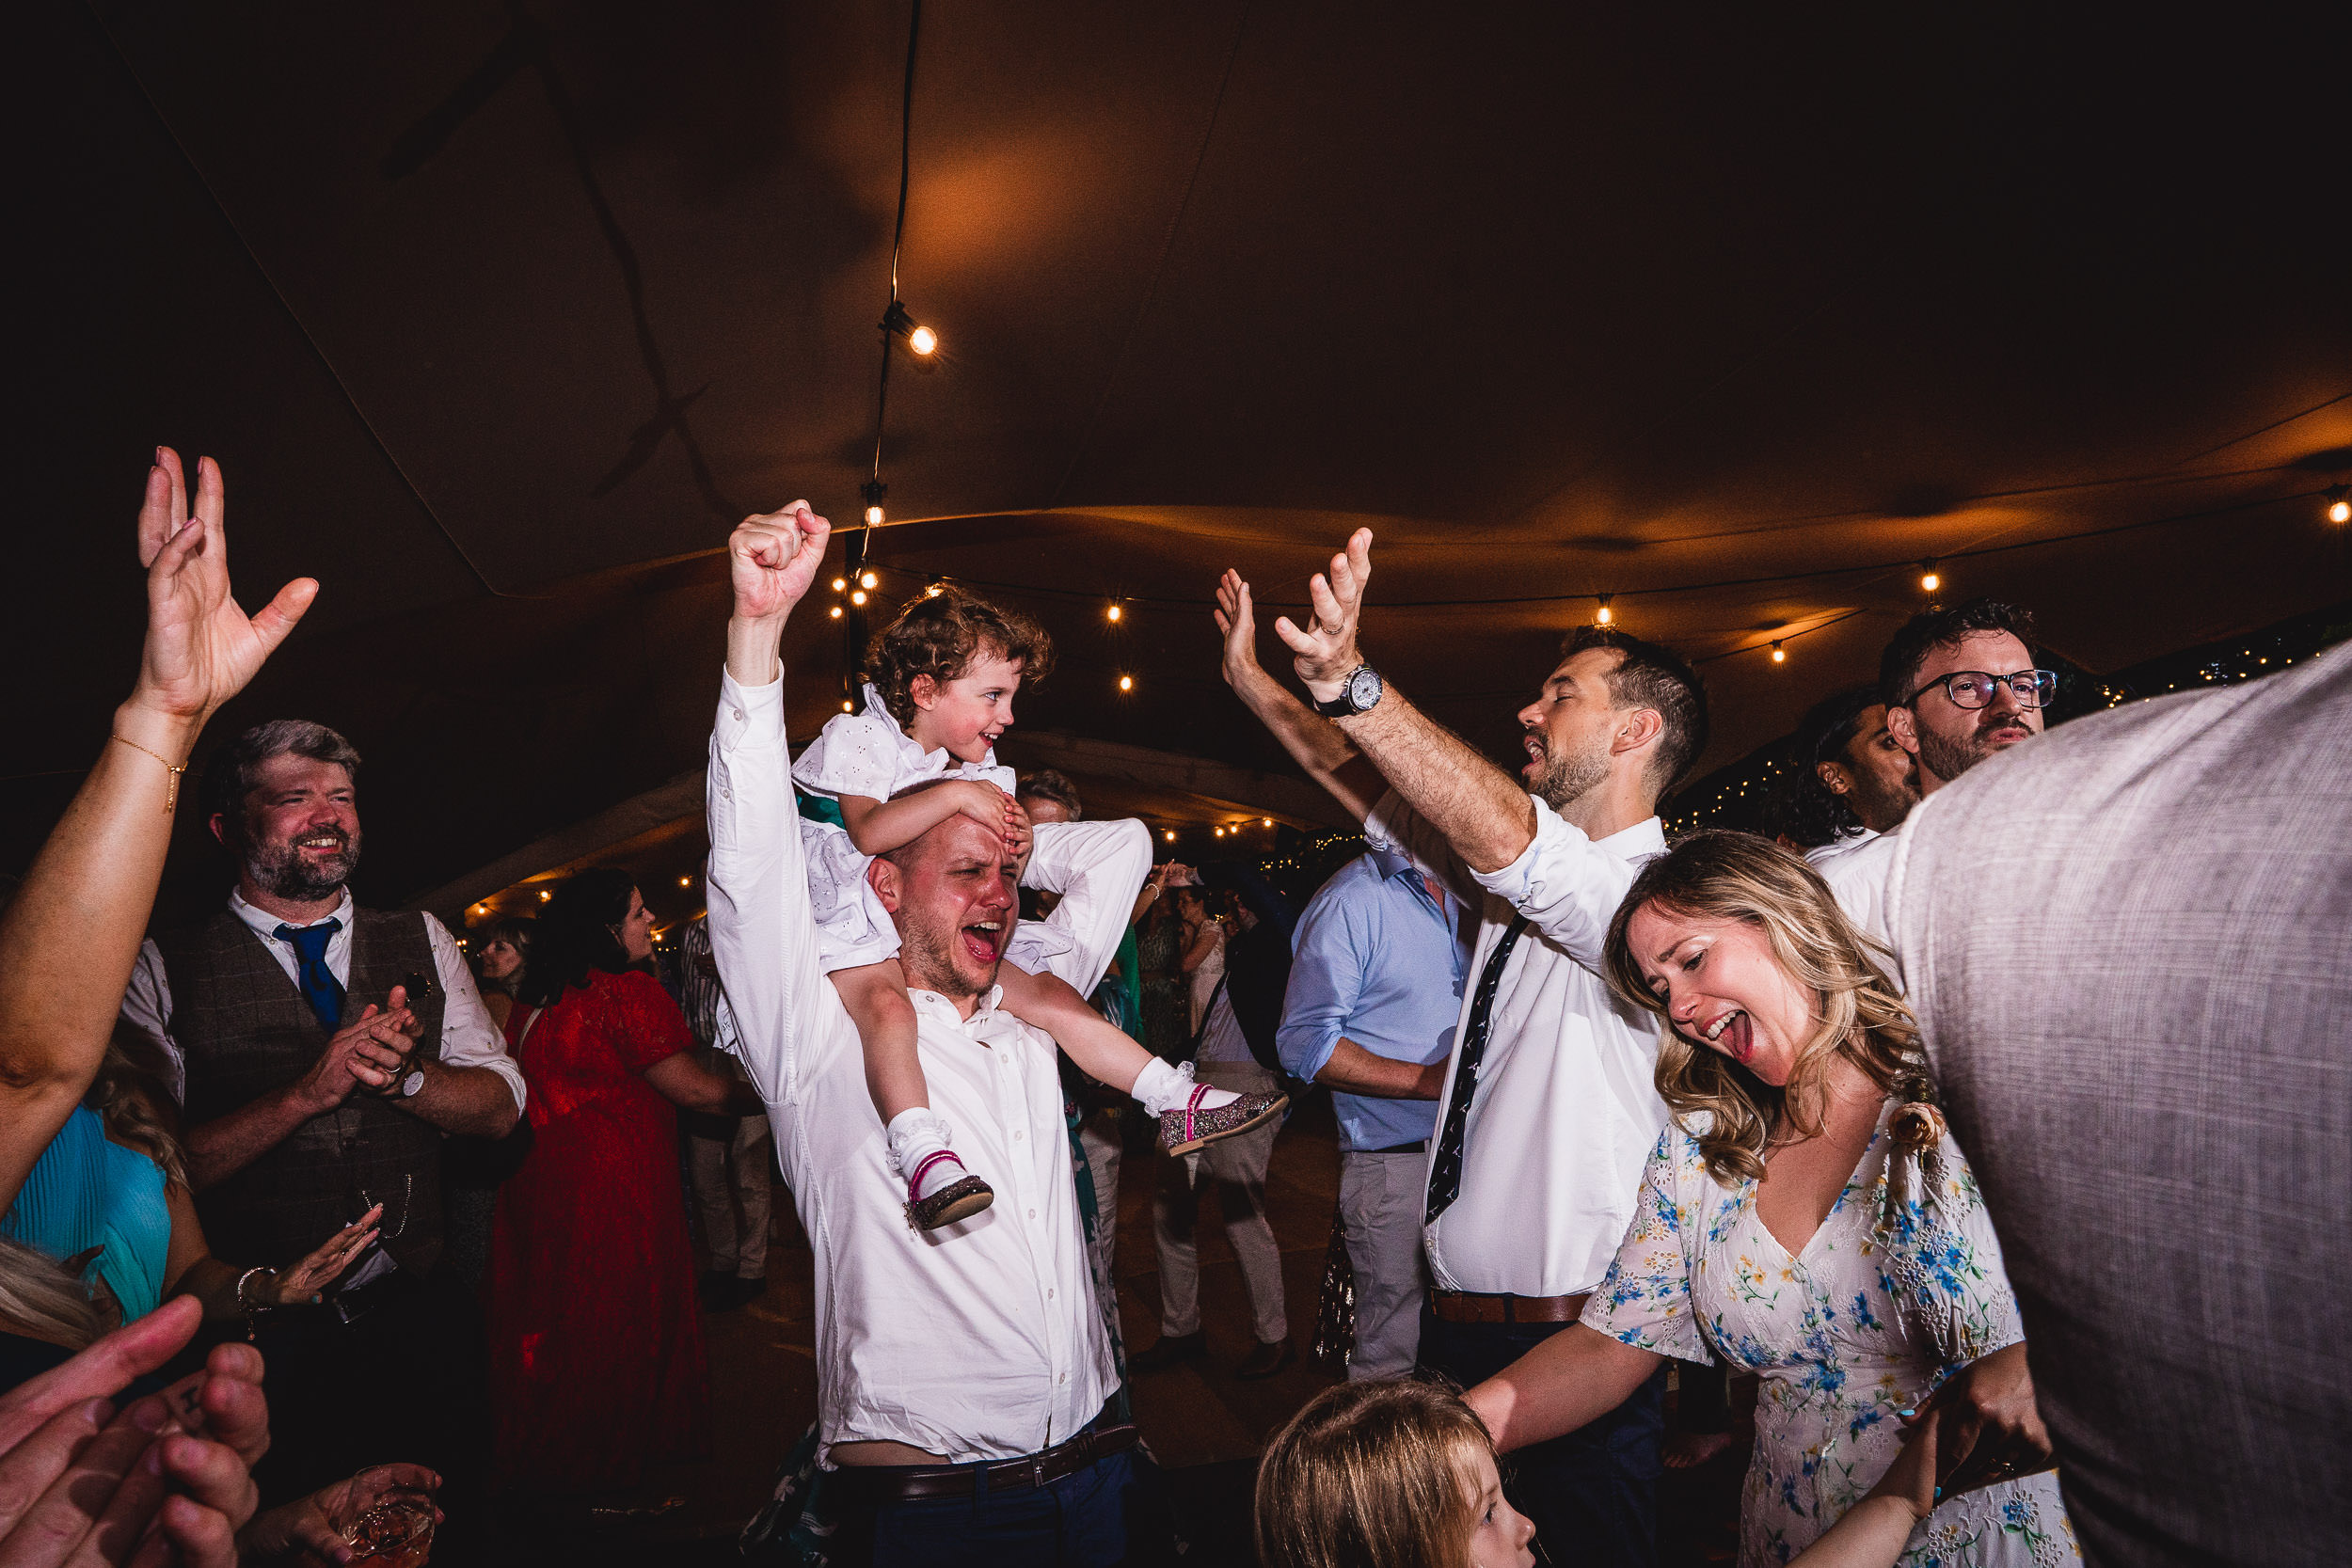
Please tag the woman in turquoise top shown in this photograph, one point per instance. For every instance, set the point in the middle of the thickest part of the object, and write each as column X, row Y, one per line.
column 109, row 1198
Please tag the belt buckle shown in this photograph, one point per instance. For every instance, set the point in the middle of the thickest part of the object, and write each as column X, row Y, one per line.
column 1037, row 1471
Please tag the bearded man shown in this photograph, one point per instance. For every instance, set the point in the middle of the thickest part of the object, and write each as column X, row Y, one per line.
column 1550, row 1108
column 323, row 1054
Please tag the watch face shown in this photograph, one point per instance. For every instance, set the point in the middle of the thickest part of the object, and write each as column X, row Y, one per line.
column 414, row 1082
column 1363, row 690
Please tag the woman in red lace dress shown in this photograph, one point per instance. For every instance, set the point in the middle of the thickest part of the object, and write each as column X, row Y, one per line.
column 596, row 1361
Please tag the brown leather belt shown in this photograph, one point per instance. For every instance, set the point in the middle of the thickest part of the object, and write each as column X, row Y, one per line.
column 1474, row 1306
column 907, row 1483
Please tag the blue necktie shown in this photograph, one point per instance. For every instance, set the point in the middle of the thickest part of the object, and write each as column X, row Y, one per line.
column 319, row 986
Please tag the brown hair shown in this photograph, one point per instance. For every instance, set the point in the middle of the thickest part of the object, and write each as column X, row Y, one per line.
column 1722, row 875
column 130, row 1094
column 1371, row 1475
column 235, row 772
column 939, row 634
column 1655, row 677
column 1047, row 784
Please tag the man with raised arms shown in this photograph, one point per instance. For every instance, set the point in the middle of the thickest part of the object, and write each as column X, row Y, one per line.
column 961, row 1372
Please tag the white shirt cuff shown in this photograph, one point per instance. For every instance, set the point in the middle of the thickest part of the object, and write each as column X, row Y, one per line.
column 749, row 714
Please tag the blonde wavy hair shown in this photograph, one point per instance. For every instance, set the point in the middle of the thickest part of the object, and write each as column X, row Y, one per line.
column 132, row 1094
column 1857, row 1014
column 1371, row 1475
column 40, row 1301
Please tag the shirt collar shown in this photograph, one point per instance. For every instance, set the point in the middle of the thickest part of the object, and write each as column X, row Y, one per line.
column 945, row 1011
column 266, row 923
column 1646, row 837
column 910, row 749
column 1391, row 863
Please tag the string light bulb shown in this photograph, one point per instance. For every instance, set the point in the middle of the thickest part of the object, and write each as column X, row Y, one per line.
column 1115, row 612
column 836, row 613
column 1126, row 683
column 1929, row 578
column 1780, row 655
column 1170, row 835
column 867, row 580
column 1603, row 615
column 899, row 322
column 686, row 881
column 873, row 516
column 1218, row 832
column 844, row 704
column 922, row 339
column 935, row 591
column 545, row 895
column 2339, row 508
column 1267, row 821
column 839, row 584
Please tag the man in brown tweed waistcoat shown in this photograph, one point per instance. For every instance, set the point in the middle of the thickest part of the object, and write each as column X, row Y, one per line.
column 327, row 1053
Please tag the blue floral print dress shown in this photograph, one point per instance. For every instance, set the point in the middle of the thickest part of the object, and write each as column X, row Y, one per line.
column 1901, row 1286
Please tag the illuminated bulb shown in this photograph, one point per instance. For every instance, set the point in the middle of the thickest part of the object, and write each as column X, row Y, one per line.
column 2339, row 508
column 858, row 597
column 873, row 516
column 932, row 591
column 922, row 339
column 686, row 881
column 867, row 580
column 1115, row 610
column 1604, row 615
column 844, row 704
column 840, row 583
column 1126, row 683
column 1780, row 655
column 1218, row 832
column 1930, row 580
column 836, row 613
column 1265, row 822
column 1170, row 835
column 544, row 896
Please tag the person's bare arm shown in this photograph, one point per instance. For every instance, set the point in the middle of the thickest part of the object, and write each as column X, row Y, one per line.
column 1199, row 941
column 687, row 1084
column 1570, row 1379
column 1313, row 741
column 1355, row 1071
column 73, row 928
column 1481, row 811
column 878, row 827
column 472, row 1102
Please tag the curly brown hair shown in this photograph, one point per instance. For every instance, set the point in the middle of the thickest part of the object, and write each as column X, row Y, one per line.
column 939, row 635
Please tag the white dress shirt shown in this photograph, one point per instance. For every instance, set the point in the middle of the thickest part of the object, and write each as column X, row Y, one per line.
column 1565, row 1110
column 469, row 1039
column 980, row 1340
column 1821, row 854
column 1858, row 877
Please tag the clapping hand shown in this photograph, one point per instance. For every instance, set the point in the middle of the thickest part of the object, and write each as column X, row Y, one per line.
column 200, row 649
column 1326, row 648
column 773, row 559
column 1239, row 624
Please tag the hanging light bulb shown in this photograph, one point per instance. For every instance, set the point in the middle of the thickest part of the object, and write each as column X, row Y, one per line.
column 934, row 590
column 1170, row 835
column 871, row 492
column 840, row 583
column 1265, row 822
column 844, row 704
column 1115, row 612
column 1930, row 579
column 922, row 339
column 2339, row 508
column 686, row 881
column 836, row 613
column 858, row 597
column 898, row 320
column 1218, row 831
column 545, row 895
column 867, row 580
column 873, row 516
column 1604, row 615
column 1780, row 655
column 1126, row 683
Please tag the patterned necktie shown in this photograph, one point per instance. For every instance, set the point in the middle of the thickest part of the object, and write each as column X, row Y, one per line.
column 1445, row 1172
column 319, row 986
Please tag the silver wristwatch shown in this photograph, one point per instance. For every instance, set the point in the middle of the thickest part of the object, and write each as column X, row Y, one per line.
column 1359, row 693
column 413, row 1083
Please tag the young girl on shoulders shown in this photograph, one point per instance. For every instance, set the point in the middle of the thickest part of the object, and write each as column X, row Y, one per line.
column 945, row 675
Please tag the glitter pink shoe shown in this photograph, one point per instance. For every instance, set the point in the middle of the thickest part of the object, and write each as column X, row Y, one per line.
column 1189, row 1128
column 959, row 1200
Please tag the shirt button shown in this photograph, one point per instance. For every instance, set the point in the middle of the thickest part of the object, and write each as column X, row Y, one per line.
column 726, row 795
column 1064, row 1378
column 1049, row 1294
column 738, row 714
column 1032, row 1213
column 1016, row 1137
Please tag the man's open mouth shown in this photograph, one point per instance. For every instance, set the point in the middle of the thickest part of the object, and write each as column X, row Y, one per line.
column 1536, row 752
column 984, row 939
column 323, row 843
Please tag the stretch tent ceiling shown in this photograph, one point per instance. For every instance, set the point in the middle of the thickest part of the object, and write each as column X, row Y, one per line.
column 499, row 316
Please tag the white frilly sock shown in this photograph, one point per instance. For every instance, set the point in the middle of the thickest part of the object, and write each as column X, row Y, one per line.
column 1162, row 1089
column 916, row 1135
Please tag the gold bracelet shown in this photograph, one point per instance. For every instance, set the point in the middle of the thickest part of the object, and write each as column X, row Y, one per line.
column 171, row 796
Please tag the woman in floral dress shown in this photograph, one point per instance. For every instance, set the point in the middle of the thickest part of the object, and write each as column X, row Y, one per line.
column 1806, row 1218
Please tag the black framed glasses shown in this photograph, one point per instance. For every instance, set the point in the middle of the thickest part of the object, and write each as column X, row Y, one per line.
column 1973, row 689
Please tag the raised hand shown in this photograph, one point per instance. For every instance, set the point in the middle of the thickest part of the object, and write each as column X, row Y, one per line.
column 1239, row 623
column 302, row 1283
column 201, row 648
column 773, row 559
column 1325, row 649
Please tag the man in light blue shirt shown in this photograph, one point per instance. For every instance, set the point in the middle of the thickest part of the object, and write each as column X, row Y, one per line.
column 1375, row 991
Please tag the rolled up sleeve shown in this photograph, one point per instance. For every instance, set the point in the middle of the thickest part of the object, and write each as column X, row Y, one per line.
column 1566, row 886
column 1098, row 868
column 469, row 1039
column 1399, row 828
column 1326, row 980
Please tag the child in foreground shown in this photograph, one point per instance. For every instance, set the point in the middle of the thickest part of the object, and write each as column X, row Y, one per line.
column 923, row 751
column 1395, row 1473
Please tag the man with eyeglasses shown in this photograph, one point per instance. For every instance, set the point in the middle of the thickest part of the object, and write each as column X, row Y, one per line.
column 1959, row 686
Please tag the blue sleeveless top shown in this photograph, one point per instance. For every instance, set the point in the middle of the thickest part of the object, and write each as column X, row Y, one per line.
column 84, row 1192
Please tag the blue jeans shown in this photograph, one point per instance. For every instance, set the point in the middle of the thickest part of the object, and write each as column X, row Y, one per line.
column 1593, row 1495
column 1079, row 1521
